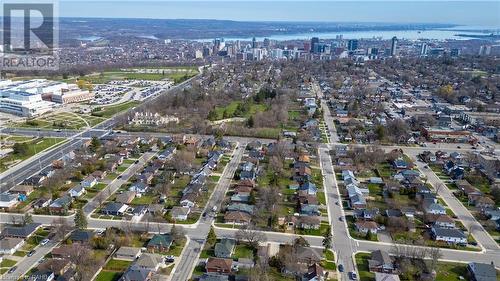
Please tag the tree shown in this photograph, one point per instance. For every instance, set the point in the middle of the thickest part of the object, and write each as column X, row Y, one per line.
column 211, row 237
column 61, row 228
column 20, row 148
column 300, row 242
column 177, row 233
column 27, row 218
column 80, row 219
column 95, row 143
column 251, row 236
column 327, row 240
column 369, row 235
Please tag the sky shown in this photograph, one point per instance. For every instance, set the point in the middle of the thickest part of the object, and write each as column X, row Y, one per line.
column 471, row 13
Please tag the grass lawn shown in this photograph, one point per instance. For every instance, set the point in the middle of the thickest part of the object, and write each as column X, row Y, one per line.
column 117, row 265
column 362, row 264
column 329, row 255
column 35, row 146
column 108, row 276
column 328, row 265
column 231, row 108
column 243, row 251
column 177, row 74
column 447, row 271
column 7, row 263
column 109, row 111
column 315, row 232
column 145, row 199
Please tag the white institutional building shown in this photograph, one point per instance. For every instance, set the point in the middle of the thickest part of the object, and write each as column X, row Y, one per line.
column 34, row 97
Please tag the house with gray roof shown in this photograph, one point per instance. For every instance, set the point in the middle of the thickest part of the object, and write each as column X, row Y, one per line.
column 482, row 271
column 225, row 248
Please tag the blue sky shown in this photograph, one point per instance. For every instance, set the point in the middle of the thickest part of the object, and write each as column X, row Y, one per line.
column 472, row 13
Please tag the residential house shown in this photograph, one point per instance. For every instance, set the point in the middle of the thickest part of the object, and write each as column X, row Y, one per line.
column 20, row 231
column 138, row 213
column 60, row 205
column 400, row 164
column 139, row 187
column 484, row 202
column 314, row 273
column 10, row 245
column 89, row 182
column 238, row 218
column 81, row 236
column 381, row 262
column 189, row 199
column 22, row 189
column 309, row 222
column 224, row 248
column 444, row 221
column 366, row 214
column 136, row 274
column 240, row 207
column 240, row 197
column 449, row 235
column 366, row 226
column 159, row 243
column 76, row 191
column 149, row 261
column 180, row 213
column 219, row 265
column 309, row 210
column 8, row 201
column 115, row 209
column 386, row 277
column 41, row 203
column 309, row 187
column 433, row 208
column 482, row 271
column 128, row 253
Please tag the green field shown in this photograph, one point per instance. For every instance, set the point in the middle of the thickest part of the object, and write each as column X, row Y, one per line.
column 230, row 110
column 63, row 120
column 108, row 276
column 34, row 146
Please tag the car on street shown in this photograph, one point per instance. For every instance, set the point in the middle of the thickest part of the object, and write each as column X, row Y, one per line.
column 341, row 268
column 119, row 177
column 341, row 219
column 204, row 214
column 353, row 275
column 31, row 253
column 169, row 259
column 44, row 242
column 12, row 269
column 458, row 146
column 136, row 162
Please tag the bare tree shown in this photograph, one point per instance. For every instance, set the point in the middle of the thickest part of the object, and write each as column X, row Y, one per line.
column 251, row 236
column 61, row 228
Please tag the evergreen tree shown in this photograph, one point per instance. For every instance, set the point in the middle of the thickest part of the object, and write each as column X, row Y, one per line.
column 212, row 237
column 80, row 219
column 327, row 240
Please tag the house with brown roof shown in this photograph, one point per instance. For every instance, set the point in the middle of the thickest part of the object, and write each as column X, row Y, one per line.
column 22, row 189
column 236, row 217
column 219, row 265
column 309, row 222
column 304, row 158
column 444, row 221
column 484, row 202
column 365, row 226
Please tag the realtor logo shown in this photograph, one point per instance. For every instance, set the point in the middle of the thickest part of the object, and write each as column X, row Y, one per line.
column 30, row 36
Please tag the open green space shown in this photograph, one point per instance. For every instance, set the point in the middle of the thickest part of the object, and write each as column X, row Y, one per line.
column 24, row 150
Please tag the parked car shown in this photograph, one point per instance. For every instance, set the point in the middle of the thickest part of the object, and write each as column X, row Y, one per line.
column 169, row 259
column 12, row 269
column 44, row 242
column 31, row 253
column 353, row 275
column 341, row 268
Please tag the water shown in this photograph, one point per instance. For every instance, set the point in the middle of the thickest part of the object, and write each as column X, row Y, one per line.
column 441, row 34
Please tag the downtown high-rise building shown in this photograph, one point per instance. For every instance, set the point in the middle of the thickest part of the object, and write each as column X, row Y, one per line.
column 352, row 45
column 394, row 46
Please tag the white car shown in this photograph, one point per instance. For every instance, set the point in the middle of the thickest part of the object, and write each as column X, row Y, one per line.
column 44, row 242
